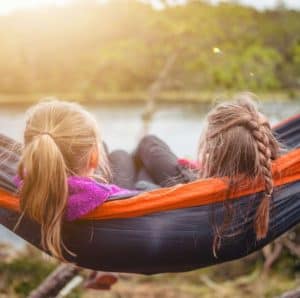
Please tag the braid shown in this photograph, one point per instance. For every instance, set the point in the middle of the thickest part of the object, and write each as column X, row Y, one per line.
column 262, row 215
column 258, row 131
column 237, row 143
column 242, row 121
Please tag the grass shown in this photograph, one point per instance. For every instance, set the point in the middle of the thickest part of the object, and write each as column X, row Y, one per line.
column 141, row 97
column 241, row 278
column 199, row 284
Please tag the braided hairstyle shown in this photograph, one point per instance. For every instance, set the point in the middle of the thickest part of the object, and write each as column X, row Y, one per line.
column 238, row 143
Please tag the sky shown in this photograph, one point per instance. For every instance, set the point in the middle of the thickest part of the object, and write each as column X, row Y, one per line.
column 262, row 4
column 259, row 4
column 7, row 6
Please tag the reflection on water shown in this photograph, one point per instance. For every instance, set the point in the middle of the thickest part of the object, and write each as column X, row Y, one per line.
column 121, row 125
column 179, row 125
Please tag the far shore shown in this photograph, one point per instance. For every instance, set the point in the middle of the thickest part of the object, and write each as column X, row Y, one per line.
column 142, row 97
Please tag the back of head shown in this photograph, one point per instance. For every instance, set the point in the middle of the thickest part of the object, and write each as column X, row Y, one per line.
column 58, row 140
column 238, row 142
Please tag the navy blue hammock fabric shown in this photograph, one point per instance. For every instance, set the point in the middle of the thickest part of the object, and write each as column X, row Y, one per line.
column 166, row 241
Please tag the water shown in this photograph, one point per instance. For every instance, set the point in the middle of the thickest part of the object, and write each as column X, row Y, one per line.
column 179, row 125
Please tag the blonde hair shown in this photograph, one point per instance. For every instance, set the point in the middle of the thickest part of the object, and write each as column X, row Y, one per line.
column 59, row 138
column 239, row 143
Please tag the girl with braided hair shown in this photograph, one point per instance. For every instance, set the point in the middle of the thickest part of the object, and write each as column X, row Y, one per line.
column 237, row 143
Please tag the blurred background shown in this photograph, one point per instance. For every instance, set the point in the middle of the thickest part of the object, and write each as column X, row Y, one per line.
column 155, row 66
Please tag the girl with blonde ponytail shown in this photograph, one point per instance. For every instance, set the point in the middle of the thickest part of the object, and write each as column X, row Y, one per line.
column 62, row 150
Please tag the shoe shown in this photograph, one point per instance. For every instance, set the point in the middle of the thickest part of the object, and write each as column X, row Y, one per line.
column 101, row 280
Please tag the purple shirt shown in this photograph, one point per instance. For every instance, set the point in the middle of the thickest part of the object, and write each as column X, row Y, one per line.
column 86, row 194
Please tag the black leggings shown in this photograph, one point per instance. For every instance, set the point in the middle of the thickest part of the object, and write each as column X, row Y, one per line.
column 123, row 169
column 153, row 161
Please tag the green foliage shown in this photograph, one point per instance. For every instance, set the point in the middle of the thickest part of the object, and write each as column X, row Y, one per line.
column 24, row 273
column 296, row 57
column 121, row 46
column 255, row 69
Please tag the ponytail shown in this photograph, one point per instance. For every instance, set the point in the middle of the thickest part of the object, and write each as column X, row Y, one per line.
column 59, row 138
column 44, row 189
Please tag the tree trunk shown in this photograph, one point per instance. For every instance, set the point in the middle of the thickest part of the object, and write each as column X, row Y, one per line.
column 291, row 294
column 57, row 280
column 153, row 92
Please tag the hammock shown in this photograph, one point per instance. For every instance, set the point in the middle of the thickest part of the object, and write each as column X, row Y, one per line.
column 170, row 229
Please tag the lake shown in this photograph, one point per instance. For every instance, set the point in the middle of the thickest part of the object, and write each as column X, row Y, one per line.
column 179, row 125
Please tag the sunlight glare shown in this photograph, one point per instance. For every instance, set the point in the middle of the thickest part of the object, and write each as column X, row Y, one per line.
column 7, row 6
column 217, row 50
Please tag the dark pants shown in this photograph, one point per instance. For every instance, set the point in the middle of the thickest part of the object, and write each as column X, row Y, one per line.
column 153, row 162
column 123, row 169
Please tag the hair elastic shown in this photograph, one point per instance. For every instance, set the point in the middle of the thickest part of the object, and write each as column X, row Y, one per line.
column 46, row 133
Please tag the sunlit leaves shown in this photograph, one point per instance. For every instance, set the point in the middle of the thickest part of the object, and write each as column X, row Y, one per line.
column 123, row 44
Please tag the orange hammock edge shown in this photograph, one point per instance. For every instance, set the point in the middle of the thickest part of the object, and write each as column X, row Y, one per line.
column 286, row 169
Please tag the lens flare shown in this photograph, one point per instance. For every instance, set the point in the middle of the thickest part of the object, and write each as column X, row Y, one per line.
column 216, row 50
